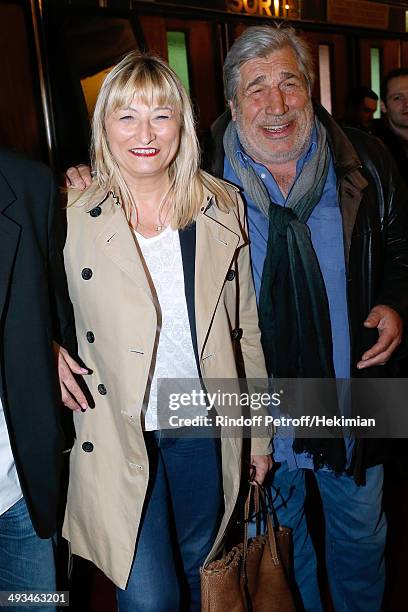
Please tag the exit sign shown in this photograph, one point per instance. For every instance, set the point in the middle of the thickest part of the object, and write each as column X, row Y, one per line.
column 282, row 9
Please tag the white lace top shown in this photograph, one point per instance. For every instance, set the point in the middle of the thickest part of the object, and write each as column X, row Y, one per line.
column 175, row 354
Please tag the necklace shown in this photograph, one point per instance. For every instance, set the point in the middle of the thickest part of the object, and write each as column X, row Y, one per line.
column 156, row 228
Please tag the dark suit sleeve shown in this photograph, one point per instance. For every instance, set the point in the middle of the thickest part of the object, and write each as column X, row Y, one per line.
column 394, row 290
column 392, row 201
column 61, row 308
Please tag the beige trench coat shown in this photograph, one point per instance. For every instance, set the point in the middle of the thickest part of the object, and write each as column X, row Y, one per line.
column 109, row 467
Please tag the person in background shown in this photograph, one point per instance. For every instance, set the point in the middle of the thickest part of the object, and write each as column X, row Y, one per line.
column 328, row 230
column 158, row 268
column 361, row 106
column 35, row 312
column 392, row 129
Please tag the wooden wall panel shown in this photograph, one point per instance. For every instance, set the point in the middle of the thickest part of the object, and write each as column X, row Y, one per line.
column 206, row 77
column 154, row 30
column 390, row 57
column 404, row 54
column 20, row 114
column 339, row 72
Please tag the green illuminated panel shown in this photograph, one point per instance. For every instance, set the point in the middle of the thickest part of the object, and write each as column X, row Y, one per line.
column 177, row 50
column 375, row 76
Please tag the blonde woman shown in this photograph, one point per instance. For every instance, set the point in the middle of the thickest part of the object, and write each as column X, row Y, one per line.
column 158, row 268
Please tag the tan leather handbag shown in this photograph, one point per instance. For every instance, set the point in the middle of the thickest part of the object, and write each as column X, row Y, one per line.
column 253, row 576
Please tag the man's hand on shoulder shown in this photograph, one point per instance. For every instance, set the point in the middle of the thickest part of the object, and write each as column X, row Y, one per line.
column 78, row 177
column 390, row 328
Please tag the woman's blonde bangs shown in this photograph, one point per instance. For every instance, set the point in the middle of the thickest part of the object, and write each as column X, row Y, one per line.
column 153, row 87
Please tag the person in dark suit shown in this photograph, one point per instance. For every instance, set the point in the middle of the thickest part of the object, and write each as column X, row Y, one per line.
column 392, row 128
column 36, row 321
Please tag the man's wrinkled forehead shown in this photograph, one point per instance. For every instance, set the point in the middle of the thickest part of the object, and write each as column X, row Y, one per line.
column 278, row 65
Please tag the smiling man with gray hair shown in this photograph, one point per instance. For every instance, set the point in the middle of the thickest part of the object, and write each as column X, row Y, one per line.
column 328, row 237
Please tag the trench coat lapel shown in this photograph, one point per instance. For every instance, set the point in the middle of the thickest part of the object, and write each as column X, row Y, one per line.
column 117, row 242
column 216, row 245
column 9, row 235
column 188, row 253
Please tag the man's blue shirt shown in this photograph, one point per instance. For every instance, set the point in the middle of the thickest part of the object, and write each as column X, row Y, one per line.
column 326, row 231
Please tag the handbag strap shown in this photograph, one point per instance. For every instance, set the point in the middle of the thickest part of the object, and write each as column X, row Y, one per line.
column 270, row 531
column 257, row 513
column 243, row 573
column 246, row 520
column 271, row 506
column 258, row 494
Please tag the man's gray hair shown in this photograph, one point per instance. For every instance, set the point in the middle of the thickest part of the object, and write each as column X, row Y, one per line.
column 260, row 41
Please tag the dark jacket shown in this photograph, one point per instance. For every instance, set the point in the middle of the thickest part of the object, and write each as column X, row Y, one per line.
column 35, row 310
column 383, row 131
column 375, row 230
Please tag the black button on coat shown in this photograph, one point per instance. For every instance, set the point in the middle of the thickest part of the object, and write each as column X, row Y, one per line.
column 95, row 212
column 86, row 273
column 236, row 334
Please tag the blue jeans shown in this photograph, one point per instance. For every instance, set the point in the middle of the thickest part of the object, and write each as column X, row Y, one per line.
column 355, row 537
column 26, row 561
column 181, row 516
